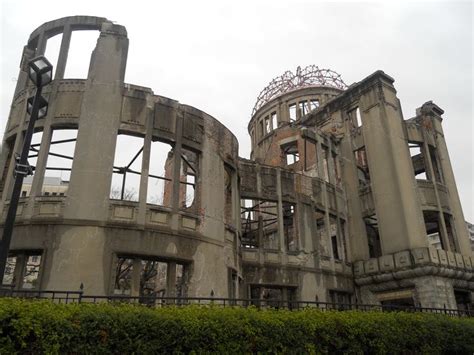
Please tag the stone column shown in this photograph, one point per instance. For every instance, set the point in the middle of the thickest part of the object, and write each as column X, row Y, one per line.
column 63, row 53
column 88, row 194
column 393, row 183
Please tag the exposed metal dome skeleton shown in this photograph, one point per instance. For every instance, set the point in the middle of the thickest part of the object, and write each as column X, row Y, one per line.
column 311, row 76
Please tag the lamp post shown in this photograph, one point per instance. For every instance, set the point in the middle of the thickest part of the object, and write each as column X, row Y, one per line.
column 40, row 72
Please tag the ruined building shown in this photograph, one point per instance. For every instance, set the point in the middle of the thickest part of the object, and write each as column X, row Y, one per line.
column 340, row 200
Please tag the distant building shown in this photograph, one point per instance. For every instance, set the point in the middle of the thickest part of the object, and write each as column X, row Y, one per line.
column 52, row 186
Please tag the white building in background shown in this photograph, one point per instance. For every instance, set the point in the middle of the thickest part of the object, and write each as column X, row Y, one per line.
column 52, row 186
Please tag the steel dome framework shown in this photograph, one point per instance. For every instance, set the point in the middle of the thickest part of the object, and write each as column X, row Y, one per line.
column 310, row 76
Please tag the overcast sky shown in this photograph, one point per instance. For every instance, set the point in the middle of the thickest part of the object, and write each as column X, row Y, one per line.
column 218, row 55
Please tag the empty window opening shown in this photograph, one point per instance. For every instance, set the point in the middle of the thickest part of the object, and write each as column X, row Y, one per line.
column 127, row 168
column 450, row 232
column 290, row 153
column 268, row 127
column 160, row 174
column 321, row 231
column 335, row 250
column 340, row 299
column 154, row 278
column 302, row 108
column 433, row 230
column 335, row 243
column 259, row 220
column 53, row 45
column 273, row 296
column 418, row 160
column 289, row 226
column 32, row 161
column 81, row 47
column 310, row 156
column 464, row 300
column 343, row 238
column 362, row 167
column 314, row 104
column 262, row 131
column 188, row 175
column 292, row 112
column 22, row 269
column 325, row 151
column 228, row 206
column 59, row 163
column 373, row 236
column 274, row 119
column 358, row 117
column 337, row 169
column 355, row 118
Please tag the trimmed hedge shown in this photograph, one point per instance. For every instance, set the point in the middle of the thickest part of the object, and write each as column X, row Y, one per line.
column 44, row 327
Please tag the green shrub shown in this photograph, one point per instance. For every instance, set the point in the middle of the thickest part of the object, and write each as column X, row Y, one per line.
column 37, row 327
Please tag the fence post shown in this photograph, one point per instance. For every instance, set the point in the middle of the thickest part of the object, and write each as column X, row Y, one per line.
column 81, row 291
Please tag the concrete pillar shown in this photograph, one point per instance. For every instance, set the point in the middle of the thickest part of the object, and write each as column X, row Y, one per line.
column 357, row 239
column 433, row 112
column 171, row 280
column 136, row 274
column 88, row 194
column 63, row 53
column 281, row 229
column 391, row 173
column 145, row 169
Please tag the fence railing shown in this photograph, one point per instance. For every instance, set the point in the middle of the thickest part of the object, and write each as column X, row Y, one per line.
column 159, row 301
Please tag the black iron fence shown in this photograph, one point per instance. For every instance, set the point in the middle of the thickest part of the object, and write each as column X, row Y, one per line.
column 159, row 301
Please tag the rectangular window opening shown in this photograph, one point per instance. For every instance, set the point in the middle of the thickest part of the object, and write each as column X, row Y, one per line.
column 81, row 47
column 289, row 226
column 59, row 163
column 292, row 112
column 418, row 160
column 268, row 127
column 314, row 104
column 291, row 154
column 127, row 168
column 152, row 281
column 373, row 236
column 160, row 174
column 259, row 220
column 274, row 120
column 22, row 270
column 433, row 230
column 53, row 45
column 362, row 167
column 188, row 176
column 32, row 161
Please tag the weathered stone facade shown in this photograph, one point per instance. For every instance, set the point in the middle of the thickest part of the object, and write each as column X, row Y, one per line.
column 328, row 208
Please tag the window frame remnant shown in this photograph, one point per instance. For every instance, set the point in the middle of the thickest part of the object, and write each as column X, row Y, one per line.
column 131, row 194
column 292, row 115
column 373, row 236
column 274, row 120
column 25, row 264
column 290, row 153
column 259, row 219
column 187, row 181
column 163, row 177
column 289, row 226
column 418, row 159
column 141, row 284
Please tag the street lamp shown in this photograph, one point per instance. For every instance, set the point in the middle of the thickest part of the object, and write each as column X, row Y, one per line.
column 40, row 72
